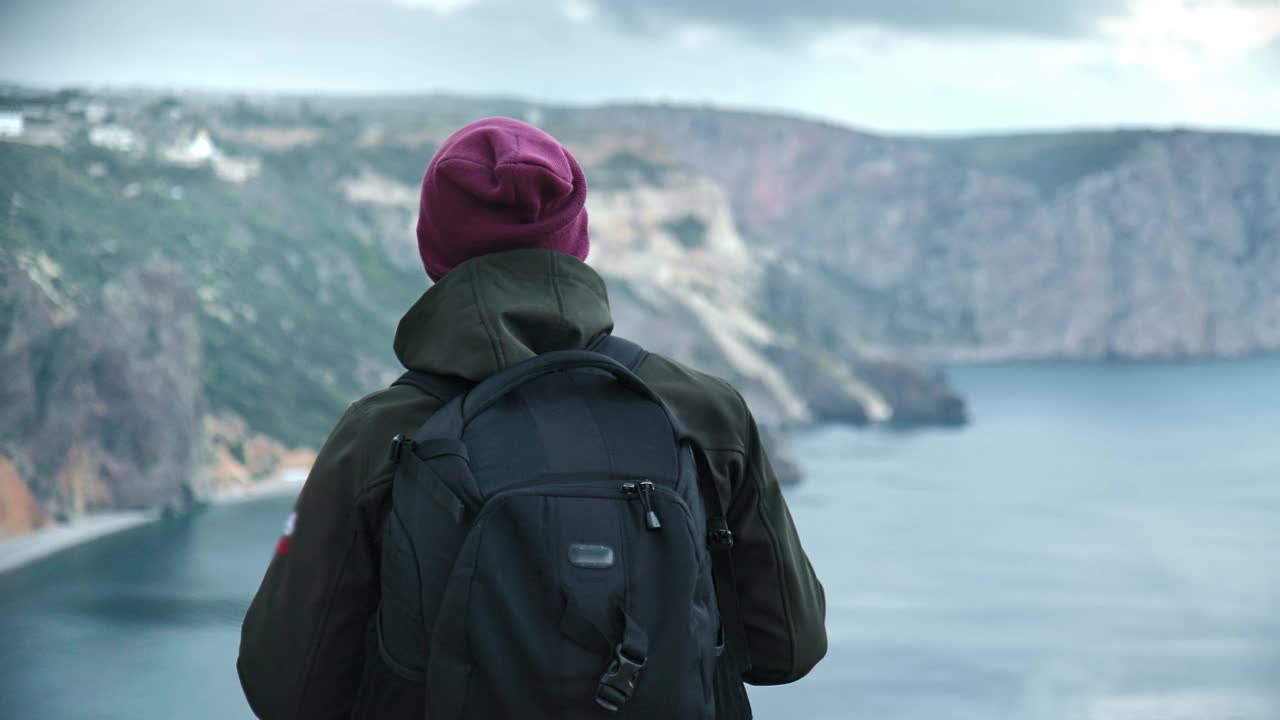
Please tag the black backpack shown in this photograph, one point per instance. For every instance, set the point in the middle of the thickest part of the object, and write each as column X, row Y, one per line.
column 547, row 554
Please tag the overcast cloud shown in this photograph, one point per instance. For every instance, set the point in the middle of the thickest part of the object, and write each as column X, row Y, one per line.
column 894, row 65
column 765, row 17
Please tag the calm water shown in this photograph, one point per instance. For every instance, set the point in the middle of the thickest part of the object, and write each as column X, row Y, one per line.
column 1102, row 544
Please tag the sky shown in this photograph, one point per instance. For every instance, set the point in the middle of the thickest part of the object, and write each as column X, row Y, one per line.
column 902, row 66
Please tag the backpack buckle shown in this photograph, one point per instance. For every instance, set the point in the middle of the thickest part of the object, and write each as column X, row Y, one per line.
column 618, row 683
column 721, row 538
column 398, row 444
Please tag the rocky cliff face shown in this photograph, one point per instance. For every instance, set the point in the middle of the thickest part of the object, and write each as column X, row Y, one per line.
column 1089, row 245
column 19, row 511
column 178, row 312
column 102, row 401
column 683, row 281
column 241, row 458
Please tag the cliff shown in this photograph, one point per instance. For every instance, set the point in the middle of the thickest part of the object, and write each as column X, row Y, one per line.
column 194, row 287
column 19, row 511
column 1126, row 244
column 101, row 399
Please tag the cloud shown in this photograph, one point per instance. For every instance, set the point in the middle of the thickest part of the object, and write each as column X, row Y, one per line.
column 443, row 7
column 766, row 18
column 1266, row 60
column 1192, row 38
column 953, row 66
column 578, row 12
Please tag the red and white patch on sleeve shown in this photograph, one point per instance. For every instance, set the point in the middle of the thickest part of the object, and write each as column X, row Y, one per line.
column 282, row 547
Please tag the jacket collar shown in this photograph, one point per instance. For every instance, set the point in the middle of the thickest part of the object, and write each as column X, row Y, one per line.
column 494, row 311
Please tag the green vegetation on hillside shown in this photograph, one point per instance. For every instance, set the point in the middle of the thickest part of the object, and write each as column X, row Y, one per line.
column 296, row 314
column 1049, row 161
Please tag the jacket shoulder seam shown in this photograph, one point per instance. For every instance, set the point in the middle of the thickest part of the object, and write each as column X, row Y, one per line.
column 758, row 476
column 357, row 412
column 489, row 333
column 787, row 615
column 590, row 287
column 324, row 621
column 363, row 410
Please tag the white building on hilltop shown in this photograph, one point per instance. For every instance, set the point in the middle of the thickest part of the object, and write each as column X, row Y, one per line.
column 115, row 137
column 96, row 112
column 200, row 150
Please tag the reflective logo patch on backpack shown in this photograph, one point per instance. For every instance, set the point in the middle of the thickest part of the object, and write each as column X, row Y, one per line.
column 286, row 537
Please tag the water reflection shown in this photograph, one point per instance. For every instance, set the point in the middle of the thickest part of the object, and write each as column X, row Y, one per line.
column 175, row 609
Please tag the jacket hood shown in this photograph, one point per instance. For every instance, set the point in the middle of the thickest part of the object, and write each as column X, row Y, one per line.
column 496, row 310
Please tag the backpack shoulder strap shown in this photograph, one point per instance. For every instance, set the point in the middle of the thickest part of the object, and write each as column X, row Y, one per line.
column 719, row 537
column 624, row 352
column 447, row 387
column 442, row 387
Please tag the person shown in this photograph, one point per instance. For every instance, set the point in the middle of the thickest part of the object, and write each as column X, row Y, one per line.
column 502, row 232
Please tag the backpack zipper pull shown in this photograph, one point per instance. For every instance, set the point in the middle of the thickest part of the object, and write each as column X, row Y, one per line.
column 644, row 491
column 651, row 520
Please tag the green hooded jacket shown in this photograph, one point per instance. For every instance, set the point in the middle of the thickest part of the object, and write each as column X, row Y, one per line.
column 302, row 644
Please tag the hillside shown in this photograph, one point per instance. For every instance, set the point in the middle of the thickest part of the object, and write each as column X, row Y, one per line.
column 1126, row 244
column 192, row 288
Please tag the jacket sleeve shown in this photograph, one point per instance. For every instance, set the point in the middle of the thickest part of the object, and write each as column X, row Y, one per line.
column 783, row 604
column 302, row 644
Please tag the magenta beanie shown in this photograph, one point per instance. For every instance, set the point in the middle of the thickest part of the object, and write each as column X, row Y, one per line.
column 500, row 184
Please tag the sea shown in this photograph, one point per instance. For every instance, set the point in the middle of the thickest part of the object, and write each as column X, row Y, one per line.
column 1102, row 542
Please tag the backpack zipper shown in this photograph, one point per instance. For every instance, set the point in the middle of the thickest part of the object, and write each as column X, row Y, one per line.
column 583, row 490
column 644, row 491
column 594, row 490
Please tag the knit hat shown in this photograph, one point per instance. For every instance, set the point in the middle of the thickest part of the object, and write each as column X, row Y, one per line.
column 500, row 184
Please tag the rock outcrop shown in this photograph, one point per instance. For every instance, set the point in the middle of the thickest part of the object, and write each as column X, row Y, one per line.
column 241, row 457
column 19, row 511
column 102, row 401
column 170, row 328
column 1136, row 244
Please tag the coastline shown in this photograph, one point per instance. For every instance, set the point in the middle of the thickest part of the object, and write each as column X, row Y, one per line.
column 22, row 550
column 279, row 486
